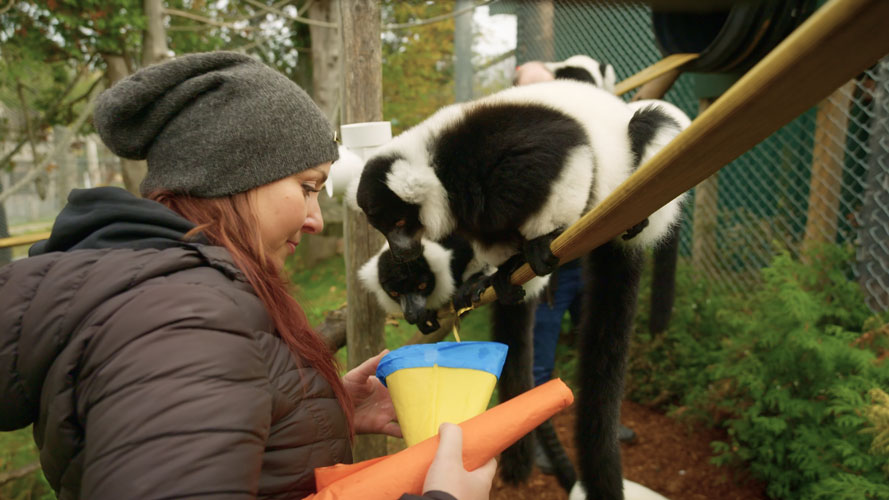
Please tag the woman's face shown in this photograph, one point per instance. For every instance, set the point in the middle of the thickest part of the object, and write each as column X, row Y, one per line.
column 287, row 208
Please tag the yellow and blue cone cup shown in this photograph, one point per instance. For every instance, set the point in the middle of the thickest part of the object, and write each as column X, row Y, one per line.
column 444, row 382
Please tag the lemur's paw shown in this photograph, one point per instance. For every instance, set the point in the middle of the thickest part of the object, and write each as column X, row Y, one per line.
column 635, row 230
column 428, row 322
column 512, row 294
column 470, row 292
column 539, row 256
column 507, row 293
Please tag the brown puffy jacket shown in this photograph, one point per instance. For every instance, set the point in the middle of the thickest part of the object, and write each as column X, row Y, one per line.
column 150, row 369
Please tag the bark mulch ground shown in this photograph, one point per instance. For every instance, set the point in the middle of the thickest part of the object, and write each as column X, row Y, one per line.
column 666, row 457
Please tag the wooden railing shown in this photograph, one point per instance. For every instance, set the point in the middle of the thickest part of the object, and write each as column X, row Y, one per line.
column 27, row 239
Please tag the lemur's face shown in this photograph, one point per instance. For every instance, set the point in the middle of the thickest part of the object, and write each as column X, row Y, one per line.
column 407, row 282
column 398, row 220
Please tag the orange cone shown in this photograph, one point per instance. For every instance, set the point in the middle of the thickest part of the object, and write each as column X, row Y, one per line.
column 484, row 437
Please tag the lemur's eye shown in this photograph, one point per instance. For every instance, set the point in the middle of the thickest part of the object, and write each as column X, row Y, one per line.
column 400, row 223
column 393, row 293
column 421, row 286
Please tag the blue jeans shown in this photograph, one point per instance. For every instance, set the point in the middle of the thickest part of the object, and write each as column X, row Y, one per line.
column 548, row 320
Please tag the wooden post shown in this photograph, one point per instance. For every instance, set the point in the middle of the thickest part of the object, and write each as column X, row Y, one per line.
column 363, row 102
column 546, row 41
column 827, row 166
column 706, row 208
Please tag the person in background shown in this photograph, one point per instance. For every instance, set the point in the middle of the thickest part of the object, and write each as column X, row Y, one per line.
column 562, row 294
column 152, row 342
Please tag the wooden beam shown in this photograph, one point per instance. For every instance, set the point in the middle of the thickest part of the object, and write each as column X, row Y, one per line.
column 836, row 43
column 664, row 66
column 27, row 239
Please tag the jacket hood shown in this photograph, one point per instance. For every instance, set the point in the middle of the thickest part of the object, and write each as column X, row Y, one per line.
column 104, row 243
column 110, row 217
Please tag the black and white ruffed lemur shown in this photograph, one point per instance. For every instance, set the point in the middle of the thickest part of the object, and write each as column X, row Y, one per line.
column 511, row 171
column 420, row 286
column 584, row 69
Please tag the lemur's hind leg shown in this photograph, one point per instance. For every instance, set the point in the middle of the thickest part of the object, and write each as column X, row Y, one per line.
column 539, row 255
column 507, row 293
column 470, row 291
column 609, row 303
column 513, row 325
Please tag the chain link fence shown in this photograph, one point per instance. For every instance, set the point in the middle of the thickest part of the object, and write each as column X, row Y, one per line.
column 822, row 177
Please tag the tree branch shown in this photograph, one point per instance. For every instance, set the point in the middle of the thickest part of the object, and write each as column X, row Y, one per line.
column 206, row 26
column 50, row 113
column 8, row 6
column 63, row 144
column 285, row 15
column 496, row 59
column 435, row 19
column 20, row 473
column 205, row 20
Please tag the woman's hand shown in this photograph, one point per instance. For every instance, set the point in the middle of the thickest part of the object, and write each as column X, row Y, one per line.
column 374, row 411
column 447, row 473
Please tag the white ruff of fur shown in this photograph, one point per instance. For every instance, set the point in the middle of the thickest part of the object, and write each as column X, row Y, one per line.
column 413, row 179
column 439, row 260
column 369, row 275
column 663, row 219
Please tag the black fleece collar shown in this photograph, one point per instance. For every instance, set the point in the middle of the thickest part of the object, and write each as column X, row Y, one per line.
column 110, row 217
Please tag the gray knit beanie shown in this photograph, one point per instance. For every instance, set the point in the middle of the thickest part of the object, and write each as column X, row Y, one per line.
column 213, row 124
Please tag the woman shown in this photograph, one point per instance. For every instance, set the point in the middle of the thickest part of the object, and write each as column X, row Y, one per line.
column 152, row 342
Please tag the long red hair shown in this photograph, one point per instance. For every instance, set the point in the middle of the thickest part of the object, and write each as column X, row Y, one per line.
column 230, row 222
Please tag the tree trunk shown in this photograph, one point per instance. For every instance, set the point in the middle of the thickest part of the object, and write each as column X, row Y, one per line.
column 463, row 52
column 133, row 171
column 545, row 39
column 326, row 54
column 154, row 38
column 827, row 167
column 705, row 215
column 64, row 176
column 363, row 99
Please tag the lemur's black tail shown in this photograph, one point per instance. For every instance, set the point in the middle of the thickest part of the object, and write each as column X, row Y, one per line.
column 609, row 304
column 663, row 282
column 513, row 325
